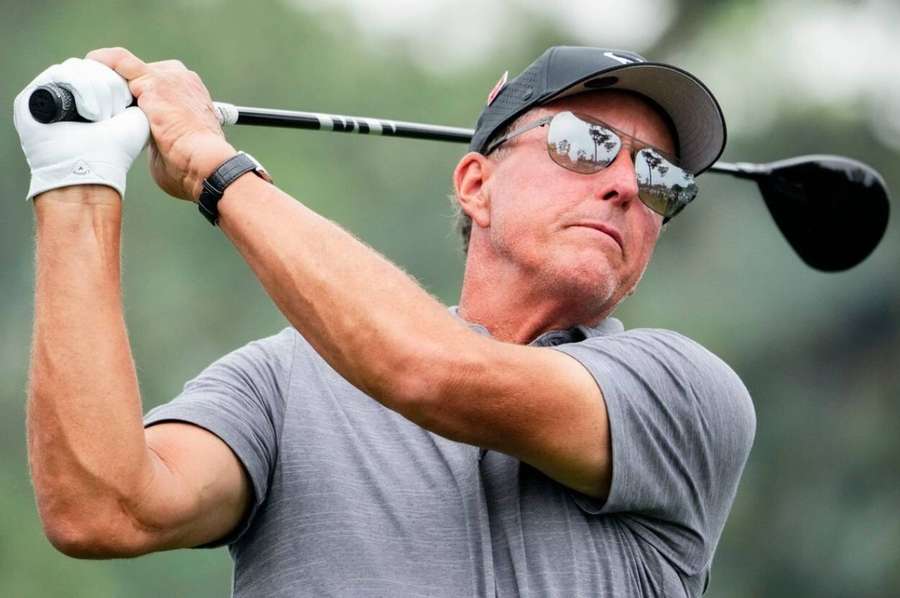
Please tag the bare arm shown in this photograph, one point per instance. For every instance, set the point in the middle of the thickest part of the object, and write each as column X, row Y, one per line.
column 103, row 486
column 391, row 339
column 366, row 317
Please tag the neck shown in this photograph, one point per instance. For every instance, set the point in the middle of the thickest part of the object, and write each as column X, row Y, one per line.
column 515, row 309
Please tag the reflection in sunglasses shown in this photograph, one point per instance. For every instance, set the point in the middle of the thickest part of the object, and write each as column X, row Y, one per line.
column 584, row 145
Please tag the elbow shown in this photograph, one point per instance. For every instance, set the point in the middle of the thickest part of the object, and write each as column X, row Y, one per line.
column 75, row 539
column 87, row 536
column 69, row 521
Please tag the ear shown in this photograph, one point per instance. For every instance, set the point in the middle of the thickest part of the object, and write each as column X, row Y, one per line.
column 470, row 182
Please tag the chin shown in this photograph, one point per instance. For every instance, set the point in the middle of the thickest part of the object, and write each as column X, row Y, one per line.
column 589, row 283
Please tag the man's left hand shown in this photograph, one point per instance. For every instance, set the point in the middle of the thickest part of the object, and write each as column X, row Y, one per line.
column 187, row 139
column 64, row 154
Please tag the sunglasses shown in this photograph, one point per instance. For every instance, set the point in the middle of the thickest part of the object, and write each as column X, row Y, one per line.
column 585, row 145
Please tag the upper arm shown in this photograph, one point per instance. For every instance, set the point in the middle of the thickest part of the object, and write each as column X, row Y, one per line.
column 536, row 404
column 649, row 421
column 211, row 450
column 196, row 490
column 677, row 420
column 192, row 491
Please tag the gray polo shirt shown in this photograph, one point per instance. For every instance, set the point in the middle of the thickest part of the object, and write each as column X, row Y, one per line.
column 352, row 499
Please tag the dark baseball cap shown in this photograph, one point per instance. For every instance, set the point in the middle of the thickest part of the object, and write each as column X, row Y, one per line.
column 568, row 70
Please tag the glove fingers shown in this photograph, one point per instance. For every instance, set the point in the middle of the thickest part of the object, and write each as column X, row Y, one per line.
column 103, row 88
column 100, row 92
column 131, row 130
column 111, row 87
column 73, row 76
column 117, row 87
column 49, row 75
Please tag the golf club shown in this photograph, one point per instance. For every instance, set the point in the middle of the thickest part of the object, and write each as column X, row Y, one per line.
column 832, row 210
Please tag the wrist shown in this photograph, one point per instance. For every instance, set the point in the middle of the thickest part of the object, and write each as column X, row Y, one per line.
column 205, row 164
column 66, row 216
column 220, row 180
column 87, row 195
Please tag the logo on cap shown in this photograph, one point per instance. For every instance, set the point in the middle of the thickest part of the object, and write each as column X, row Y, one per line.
column 622, row 59
column 497, row 88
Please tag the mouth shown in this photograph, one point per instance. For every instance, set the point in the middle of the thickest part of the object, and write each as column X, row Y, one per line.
column 603, row 228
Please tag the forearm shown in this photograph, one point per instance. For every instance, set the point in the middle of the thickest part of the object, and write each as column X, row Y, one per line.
column 388, row 337
column 365, row 316
column 85, row 435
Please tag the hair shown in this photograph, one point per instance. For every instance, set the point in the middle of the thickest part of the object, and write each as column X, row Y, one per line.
column 463, row 223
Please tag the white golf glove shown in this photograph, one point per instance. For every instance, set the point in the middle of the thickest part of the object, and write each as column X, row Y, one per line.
column 77, row 153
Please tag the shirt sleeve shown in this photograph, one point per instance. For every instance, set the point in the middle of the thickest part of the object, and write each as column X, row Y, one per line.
column 682, row 424
column 240, row 399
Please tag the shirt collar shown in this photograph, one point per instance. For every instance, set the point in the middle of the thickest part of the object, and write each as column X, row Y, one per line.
column 551, row 338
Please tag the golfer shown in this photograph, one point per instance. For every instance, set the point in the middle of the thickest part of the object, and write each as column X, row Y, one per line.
column 521, row 443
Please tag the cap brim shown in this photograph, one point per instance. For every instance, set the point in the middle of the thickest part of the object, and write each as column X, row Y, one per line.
column 694, row 111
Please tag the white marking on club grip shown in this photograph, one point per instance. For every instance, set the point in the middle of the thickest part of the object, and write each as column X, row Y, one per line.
column 227, row 114
column 326, row 122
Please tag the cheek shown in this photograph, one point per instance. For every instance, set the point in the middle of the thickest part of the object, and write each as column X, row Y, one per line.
column 646, row 237
column 514, row 222
column 528, row 207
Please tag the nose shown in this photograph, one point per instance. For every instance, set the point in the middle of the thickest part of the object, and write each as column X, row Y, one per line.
column 618, row 181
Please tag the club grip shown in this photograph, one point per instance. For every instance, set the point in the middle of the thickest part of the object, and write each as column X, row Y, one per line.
column 52, row 103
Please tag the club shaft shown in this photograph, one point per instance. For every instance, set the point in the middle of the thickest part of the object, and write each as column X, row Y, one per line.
column 267, row 117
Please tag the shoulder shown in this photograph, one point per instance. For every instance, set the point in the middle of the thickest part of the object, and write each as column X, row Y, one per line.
column 666, row 353
column 259, row 367
column 684, row 359
column 677, row 351
column 278, row 348
column 663, row 365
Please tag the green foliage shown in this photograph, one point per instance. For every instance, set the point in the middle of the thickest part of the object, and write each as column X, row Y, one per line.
column 816, row 511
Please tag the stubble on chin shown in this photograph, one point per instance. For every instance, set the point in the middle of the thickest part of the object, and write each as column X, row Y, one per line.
column 589, row 290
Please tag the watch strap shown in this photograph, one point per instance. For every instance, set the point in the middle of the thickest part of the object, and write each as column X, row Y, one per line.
column 214, row 185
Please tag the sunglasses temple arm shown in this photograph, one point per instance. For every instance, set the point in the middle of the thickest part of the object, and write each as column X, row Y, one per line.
column 741, row 170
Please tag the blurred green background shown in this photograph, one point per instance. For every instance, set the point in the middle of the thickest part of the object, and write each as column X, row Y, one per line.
column 817, row 511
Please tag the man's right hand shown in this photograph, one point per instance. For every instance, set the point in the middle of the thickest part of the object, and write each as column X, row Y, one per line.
column 188, row 141
column 76, row 153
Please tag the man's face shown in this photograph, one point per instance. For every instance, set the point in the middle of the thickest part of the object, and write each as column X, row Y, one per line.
column 586, row 235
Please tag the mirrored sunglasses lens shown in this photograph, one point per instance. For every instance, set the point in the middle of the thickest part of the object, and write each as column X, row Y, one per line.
column 663, row 187
column 581, row 146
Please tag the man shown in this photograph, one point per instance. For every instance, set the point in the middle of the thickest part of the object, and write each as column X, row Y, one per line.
column 522, row 444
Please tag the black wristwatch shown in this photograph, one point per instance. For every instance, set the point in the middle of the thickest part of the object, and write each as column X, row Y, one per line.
column 228, row 172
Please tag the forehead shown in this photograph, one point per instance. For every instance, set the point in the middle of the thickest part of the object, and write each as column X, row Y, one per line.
column 629, row 112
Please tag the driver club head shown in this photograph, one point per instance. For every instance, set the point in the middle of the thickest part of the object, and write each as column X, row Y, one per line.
column 832, row 210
